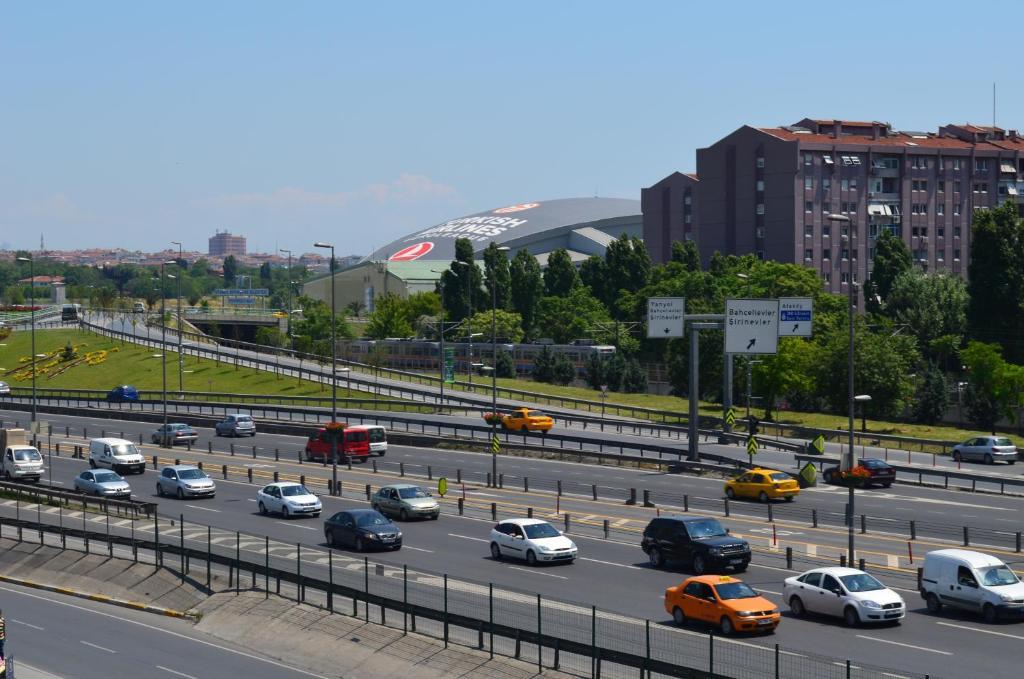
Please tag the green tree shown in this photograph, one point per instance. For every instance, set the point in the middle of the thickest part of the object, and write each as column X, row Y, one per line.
column 574, row 316
column 932, row 400
column 266, row 276
column 271, row 337
column 996, row 274
column 563, row 371
column 932, row 305
column 686, row 254
column 615, row 371
column 789, row 370
column 389, row 318
column 230, row 270
column 461, row 283
column 560, row 277
column 892, row 258
column 497, row 277
column 595, row 371
column 544, row 365
column 594, row 275
column 994, row 385
column 527, row 289
column 628, row 270
column 14, row 294
column 504, row 365
column 420, row 304
column 634, row 379
column 509, row 326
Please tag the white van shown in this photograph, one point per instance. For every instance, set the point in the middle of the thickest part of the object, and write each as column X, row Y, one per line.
column 116, row 454
column 378, row 439
column 972, row 581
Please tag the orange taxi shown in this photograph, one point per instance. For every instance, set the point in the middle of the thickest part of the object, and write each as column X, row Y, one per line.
column 764, row 485
column 524, row 419
column 722, row 601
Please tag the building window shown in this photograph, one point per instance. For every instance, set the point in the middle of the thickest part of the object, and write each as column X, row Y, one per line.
column 760, row 208
column 940, row 231
column 688, row 199
column 844, row 277
column 941, row 185
column 853, row 183
column 844, row 185
column 919, row 209
column 981, row 187
column 956, row 163
column 914, row 231
column 809, row 206
column 808, row 182
column 956, row 209
column 826, row 230
column 871, row 254
column 808, row 230
column 956, row 186
column 940, row 209
column 827, row 158
column 826, row 253
column 981, row 165
column 924, row 231
column 808, row 254
column 808, row 159
column 826, row 184
column 760, row 162
column 919, row 185
column 876, row 186
column 846, row 253
column 956, row 231
column 760, row 185
column 828, row 276
column 688, row 218
column 872, row 230
column 956, row 253
column 826, row 208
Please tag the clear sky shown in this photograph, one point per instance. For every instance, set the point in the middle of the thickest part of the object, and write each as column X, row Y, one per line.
column 136, row 123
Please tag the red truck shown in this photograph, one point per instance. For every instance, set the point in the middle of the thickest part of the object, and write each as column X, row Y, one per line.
column 354, row 443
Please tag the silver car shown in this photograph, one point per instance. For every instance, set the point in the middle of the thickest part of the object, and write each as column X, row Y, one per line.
column 103, row 483
column 184, row 480
column 988, row 449
column 236, row 424
column 5, row 389
column 405, row 501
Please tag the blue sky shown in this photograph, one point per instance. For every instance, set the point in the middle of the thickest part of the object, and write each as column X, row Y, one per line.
column 133, row 124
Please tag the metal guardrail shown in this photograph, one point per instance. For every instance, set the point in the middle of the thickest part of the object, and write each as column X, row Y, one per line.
column 39, row 490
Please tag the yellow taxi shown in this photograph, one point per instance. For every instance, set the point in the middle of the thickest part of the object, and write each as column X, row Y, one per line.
column 524, row 419
column 723, row 601
column 763, row 484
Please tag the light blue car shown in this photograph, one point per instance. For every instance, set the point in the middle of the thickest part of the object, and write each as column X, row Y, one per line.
column 103, row 483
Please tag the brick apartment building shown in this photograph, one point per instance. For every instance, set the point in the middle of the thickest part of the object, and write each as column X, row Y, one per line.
column 766, row 191
column 223, row 244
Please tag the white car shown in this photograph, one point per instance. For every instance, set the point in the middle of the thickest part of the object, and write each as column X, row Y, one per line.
column 288, row 499
column 848, row 593
column 531, row 539
column 5, row 389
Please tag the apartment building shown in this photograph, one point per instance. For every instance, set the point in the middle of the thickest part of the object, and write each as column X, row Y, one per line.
column 769, row 191
column 223, row 244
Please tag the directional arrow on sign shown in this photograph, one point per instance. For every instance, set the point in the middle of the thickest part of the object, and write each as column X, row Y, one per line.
column 796, row 326
column 752, row 343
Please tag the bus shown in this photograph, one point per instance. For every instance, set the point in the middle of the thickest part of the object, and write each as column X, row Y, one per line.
column 71, row 312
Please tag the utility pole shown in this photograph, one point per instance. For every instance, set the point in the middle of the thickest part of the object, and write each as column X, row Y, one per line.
column 334, row 367
column 181, row 359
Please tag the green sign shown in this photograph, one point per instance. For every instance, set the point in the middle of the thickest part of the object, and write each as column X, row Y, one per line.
column 752, row 445
column 730, row 416
column 818, row 444
column 449, row 365
column 809, row 475
column 442, row 486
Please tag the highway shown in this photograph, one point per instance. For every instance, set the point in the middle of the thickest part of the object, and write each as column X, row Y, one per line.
column 613, row 572
column 80, row 639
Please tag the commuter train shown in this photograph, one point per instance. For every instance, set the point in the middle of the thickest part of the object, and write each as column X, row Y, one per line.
column 414, row 354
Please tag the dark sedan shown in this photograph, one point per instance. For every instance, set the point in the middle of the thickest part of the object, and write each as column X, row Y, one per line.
column 362, row 529
column 879, row 472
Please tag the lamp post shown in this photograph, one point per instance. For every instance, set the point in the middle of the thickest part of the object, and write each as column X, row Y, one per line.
column 494, row 365
column 289, row 300
column 165, row 441
column 32, row 310
column 181, row 359
column 334, row 362
column 863, row 399
column 848, row 459
column 750, row 381
column 441, row 363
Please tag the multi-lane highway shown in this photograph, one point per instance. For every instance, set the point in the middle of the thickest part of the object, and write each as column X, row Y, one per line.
column 612, row 573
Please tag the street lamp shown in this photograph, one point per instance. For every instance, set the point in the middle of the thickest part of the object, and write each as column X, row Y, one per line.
column 334, row 364
column 862, row 399
column 494, row 366
column 440, row 283
column 165, row 442
column 848, row 461
column 32, row 310
column 181, row 360
column 289, row 300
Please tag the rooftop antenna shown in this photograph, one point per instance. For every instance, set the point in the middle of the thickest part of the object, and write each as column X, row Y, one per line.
column 993, row 106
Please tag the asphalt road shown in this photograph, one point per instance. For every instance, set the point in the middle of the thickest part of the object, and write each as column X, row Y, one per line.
column 80, row 639
column 612, row 573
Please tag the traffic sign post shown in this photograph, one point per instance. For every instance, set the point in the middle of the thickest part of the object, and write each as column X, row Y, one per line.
column 751, row 326
column 817, row 446
column 751, row 448
column 495, row 444
column 730, row 416
column 448, row 370
column 665, row 316
column 796, row 316
column 442, row 486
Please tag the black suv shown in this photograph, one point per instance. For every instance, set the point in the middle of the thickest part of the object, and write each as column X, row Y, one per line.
column 699, row 541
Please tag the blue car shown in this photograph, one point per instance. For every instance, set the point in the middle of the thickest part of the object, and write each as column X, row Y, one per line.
column 125, row 393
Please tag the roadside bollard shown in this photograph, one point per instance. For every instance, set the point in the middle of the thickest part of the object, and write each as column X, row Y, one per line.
column 559, row 481
column 277, row 454
column 199, row 464
column 529, row 512
column 494, row 511
column 686, row 502
column 458, row 476
column 1018, row 542
column 188, row 446
column 276, row 479
column 489, row 480
column 298, row 454
column 254, row 452
column 860, row 564
column 814, row 517
column 461, row 502
column 302, row 478
column 501, row 480
column 606, row 529
column 154, row 462
column 374, row 463
column 177, row 461
column 368, row 491
column 913, row 530
column 647, row 498
column 526, row 484
column 249, row 474
column 568, row 522
column 842, row 560
column 593, row 491
column 632, row 497
column 224, row 471
column 430, row 473
column 789, row 558
column 967, row 537
column 726, row 503
column 401, row 469
column 771, row 518
column 209, row 447
column 232, row 450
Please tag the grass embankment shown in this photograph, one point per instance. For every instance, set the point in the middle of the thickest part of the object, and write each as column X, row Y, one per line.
column 139, row 366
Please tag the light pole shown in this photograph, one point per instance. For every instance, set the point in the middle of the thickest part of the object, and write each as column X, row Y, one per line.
column 181, row 359
column 441, row 363
column 494, row 363
column 750, row 375
column 32, row 310
column 165, row 441
column 289, row 300
column 848, row 459
column 863, row 399
column 334, row 365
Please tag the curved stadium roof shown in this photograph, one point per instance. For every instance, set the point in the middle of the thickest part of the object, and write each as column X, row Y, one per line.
column 513, row 225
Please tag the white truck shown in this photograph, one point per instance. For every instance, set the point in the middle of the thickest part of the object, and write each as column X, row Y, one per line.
column 21, row 461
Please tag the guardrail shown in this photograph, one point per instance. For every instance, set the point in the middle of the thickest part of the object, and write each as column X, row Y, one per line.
column 563, row 635
column 37, row 491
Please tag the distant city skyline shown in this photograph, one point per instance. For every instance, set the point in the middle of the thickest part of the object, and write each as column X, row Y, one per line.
column 138, row 124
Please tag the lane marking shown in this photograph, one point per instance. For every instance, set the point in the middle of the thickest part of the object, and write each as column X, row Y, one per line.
column 102, row 648
column 897, row 643
column 983, row 631
column 536, row 572
column 294, row 525
column 466, row 537
column 26, row 624
column 609, row 563
column 180, row 674
column 418, row 549
column 244, row 654
column 205, row 509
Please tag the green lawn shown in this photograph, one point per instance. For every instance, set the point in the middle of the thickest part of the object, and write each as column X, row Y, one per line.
column 136, row 365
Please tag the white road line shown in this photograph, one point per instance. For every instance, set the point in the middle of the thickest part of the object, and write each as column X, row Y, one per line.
column 102, row 648
column 537, row 572
column 418, row 549
column 466, row 537
column 205, row 509
column 609, row 563
column 897, row 643
column 154, row 628
column 26, row 624
column 294, row 525
column 759, row 590
column 175, row 672
column 983, row 631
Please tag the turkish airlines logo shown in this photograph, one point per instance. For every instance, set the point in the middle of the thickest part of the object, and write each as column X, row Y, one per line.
column 412, row 252
column 515, row 208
